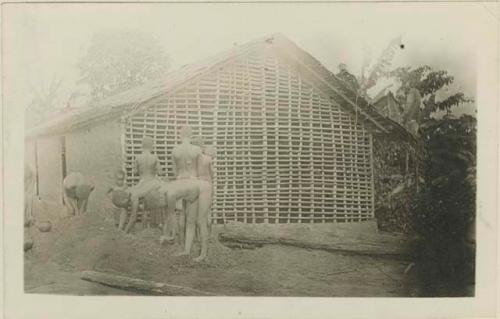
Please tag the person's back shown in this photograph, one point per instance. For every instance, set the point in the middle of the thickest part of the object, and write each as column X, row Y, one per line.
column 70, row 183
column 185, row 156
column 205, row 170
column 77, row 189
column 186, row 160
column 146, row 166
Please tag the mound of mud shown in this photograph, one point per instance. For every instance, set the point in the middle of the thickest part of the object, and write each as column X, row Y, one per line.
column 91, row 242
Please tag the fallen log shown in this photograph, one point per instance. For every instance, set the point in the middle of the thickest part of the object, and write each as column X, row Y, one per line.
column 136, row 284
column 371, row 245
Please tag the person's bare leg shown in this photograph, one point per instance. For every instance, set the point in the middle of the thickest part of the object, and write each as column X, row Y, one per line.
column 182, row 226
column 133, row 216
column 169, row 220
column 70, row 204
column 204, row 203
column 191, row 215
column 209, row 226
column 78, row 206
column 82, row 205
column 146, row 215
column 123, row 218
column 173, row 224
column 66, row 203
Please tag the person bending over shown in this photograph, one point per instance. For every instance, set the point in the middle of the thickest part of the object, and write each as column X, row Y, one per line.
column 147, row 167
column 76, row 192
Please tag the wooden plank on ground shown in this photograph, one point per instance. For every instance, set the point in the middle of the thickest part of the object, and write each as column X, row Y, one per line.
column 136, row 284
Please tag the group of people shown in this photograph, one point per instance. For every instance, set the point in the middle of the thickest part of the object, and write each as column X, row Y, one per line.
column 192, row 187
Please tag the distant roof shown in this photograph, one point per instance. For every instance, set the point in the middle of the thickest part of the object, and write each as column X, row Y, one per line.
column 131, row 100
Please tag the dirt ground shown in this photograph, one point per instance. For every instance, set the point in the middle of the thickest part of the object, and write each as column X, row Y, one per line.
column 90, row 242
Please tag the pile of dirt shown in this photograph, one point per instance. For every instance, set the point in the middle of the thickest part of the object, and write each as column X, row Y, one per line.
column 91, row 242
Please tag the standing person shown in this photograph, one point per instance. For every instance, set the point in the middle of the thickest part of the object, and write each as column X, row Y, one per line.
column 147, row 167
column 120, row 197
column 205, row 175
column 76, row 192
column 187, row 186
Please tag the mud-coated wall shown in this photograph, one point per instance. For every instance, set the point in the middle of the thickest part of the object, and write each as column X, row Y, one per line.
column 29, row 154
column 95, row 151
column 49, row 169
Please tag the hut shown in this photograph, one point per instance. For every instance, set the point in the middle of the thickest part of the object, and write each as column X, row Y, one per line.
column 294, row 143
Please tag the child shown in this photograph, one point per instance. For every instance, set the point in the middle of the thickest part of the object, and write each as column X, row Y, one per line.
column 120, row 196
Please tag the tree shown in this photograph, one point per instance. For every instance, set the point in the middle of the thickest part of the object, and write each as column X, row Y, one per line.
column 442, row 215
column 118, row 60
column 379, row 68
column 44, row 101
column 428, row 82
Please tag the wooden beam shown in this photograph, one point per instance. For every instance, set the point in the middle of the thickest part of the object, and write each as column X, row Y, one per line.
column 135, row 284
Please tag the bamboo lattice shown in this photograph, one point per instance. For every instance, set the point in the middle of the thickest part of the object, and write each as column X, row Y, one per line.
column 285, row 153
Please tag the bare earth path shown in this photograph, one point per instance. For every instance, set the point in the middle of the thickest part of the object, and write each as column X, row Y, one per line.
column 266, row 271
column 91, row 242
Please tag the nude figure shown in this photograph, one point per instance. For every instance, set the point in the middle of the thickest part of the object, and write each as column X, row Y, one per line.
column 147, row 167
column 184, row 157
column 205, row 176
column 76, row 192
column 205, row 173
column 186, row 186
column 120, row 197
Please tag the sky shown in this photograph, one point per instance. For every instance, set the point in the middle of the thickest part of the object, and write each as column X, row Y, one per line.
column 45, row 41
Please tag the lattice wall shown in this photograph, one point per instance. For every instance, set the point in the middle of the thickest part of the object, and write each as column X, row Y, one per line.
column 285, row 153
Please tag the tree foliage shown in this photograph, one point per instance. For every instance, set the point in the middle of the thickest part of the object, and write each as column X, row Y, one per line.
column 428, row 82
column 44, row 101
column 443, row 213
column 119, row 60
column 379, row 68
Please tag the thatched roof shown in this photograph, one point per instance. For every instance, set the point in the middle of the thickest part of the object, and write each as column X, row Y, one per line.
column 133, row 100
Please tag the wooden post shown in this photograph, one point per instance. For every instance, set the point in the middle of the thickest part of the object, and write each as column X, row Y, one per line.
column 372, row 163
column 123, row 131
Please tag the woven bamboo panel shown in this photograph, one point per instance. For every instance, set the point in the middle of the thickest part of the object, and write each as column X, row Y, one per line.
column 285, row 152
